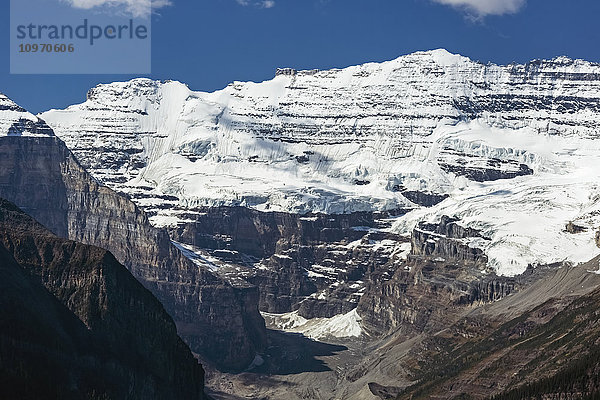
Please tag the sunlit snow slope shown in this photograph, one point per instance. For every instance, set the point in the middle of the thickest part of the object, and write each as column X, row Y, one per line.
column 16, row 121
column 513, row 146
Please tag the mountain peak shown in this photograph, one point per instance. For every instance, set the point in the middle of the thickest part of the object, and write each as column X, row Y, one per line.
column 440, row 53
column 7, row 104
column 119, row 94
column 440, row 56
column 16, row 121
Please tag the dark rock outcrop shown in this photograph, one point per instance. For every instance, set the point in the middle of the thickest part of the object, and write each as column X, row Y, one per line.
column 447, row 239
column 574, row 228
column 220, row 322
column 494, row 171
column 424, row 199
column 598, row 238
column 76, row 324
column 442, row 274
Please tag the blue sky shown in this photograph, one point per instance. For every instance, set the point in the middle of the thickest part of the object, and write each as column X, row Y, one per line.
column 209, row 43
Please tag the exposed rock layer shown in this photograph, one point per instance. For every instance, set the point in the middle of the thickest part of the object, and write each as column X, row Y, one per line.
column 42, row 177
column 299, row 262
column 448, row 239
column 262, row 234
column 441, row 274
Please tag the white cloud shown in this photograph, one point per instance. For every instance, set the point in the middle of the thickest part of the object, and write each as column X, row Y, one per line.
column 481, row 8
column 139, row 8
column 259, row 4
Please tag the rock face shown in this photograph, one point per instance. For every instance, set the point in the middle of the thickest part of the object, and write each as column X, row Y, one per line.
column 448, row 240
column 76, row 324
column 493, row 171
column 263, row 234
column 422, row 198
column 41, row 176
column 315, row 264
column 328, row 265
column 442, row 273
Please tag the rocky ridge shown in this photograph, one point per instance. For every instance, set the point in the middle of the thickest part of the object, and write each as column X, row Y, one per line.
column 77, row 324
column 39, row 174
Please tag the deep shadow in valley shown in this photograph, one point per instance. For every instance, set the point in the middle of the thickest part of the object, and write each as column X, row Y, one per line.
column 294, row 367
column 294, row 353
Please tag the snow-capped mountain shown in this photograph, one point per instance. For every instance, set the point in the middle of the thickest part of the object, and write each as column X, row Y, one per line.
column 510, row 150
column 40, row 176
column 16, row 121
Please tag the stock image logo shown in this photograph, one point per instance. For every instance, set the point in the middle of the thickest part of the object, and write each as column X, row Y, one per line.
column 55, row 37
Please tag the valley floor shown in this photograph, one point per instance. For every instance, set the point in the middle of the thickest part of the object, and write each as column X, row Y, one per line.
column 490, row 335
column 295, row 367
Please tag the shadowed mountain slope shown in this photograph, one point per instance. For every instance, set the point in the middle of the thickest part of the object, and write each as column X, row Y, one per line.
column 76, row 324
column 41, row 176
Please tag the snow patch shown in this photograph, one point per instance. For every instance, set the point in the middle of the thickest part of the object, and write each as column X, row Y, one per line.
column 340, row 326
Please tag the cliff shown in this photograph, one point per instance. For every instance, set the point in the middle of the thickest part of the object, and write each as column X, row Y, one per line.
column 41, row 176
column 76, row 324
column 442, row 274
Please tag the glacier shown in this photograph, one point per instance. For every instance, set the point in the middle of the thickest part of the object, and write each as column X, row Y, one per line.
column 510, row 150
